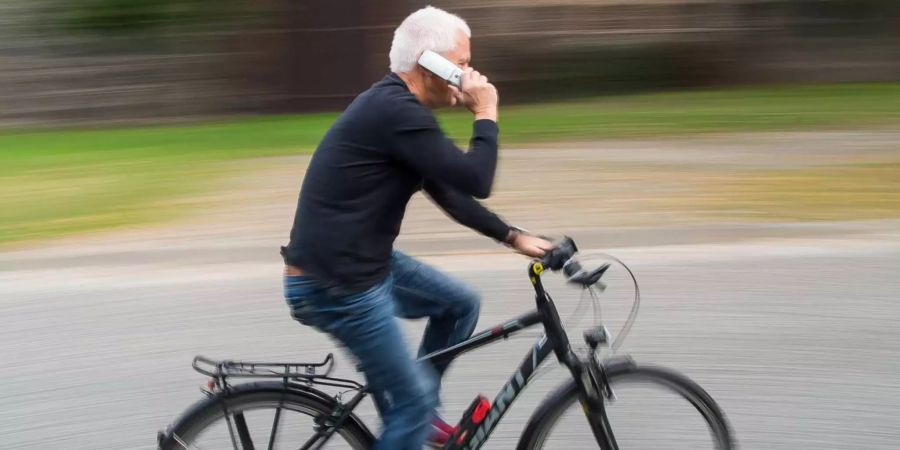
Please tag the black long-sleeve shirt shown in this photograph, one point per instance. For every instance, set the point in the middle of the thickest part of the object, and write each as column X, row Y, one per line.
column 380, row 151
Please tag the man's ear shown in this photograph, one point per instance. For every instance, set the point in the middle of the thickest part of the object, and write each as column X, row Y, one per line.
column 421, row 71
column 426, row 74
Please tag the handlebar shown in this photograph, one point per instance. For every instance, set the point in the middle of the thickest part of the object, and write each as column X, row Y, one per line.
column 561, row 258
column 556, row 258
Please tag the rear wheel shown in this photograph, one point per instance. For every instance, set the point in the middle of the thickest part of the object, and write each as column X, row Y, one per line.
column 655, row 408
column 262, row 416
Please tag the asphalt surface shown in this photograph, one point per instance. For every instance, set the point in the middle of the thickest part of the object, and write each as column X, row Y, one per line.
column 797, row 339
column 792, row 327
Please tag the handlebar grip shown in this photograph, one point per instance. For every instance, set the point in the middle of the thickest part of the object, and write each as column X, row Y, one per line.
column 556, row 258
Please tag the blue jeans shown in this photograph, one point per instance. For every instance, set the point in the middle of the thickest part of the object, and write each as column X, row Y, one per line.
column 405, row 392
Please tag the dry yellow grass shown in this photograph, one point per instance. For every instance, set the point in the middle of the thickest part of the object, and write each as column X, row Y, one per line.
column 841, row 192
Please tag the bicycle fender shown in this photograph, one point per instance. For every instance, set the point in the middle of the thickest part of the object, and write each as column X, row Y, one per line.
column 164, row 437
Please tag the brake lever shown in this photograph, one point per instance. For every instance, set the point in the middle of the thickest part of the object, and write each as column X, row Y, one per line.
column 586, row 279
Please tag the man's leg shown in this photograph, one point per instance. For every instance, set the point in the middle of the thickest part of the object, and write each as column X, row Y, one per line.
column 451, row 306
column 366, row 325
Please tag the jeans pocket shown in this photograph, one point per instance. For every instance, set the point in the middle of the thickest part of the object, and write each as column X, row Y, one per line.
column 304, row 313
column 377, row 298
column 299, row 294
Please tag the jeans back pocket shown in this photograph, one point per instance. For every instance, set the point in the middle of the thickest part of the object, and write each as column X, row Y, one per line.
column 300, row 294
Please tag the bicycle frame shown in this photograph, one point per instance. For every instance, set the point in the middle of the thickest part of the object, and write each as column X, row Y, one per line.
column 587, row 374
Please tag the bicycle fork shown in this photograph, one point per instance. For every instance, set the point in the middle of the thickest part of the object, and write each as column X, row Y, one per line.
column 594, row 392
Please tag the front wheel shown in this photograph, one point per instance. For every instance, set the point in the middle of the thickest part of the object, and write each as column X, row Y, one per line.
column 655, row 408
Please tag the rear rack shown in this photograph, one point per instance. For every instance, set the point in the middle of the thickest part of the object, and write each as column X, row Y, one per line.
column 308, row 373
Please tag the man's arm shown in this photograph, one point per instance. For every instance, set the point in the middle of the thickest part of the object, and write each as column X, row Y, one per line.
column 467, row 211
column 419, row 143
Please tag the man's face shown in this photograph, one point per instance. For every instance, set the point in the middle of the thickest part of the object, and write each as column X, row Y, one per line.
column 439, row 91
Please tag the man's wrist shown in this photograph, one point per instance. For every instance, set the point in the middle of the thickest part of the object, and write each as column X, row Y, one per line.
column 486, row 114
column 512, row 234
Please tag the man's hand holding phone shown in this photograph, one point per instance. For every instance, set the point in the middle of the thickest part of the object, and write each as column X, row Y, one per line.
column 478, row 95
column 469, row 87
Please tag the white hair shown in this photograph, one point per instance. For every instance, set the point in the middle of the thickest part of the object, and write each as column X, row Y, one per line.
column 429, row 28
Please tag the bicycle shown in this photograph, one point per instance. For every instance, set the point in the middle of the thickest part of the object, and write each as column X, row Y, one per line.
column 593, row 383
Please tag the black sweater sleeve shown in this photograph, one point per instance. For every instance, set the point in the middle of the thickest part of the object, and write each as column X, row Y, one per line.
column 467, row 211
column 418, row 142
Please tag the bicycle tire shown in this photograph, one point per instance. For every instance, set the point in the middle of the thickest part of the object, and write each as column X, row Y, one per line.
column 262, row 395
column 545, row 418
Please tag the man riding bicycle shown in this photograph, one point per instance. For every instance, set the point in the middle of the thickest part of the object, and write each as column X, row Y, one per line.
column 342, row 274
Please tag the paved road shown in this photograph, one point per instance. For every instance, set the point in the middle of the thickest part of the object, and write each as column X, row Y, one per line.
column 797, row 339
column 792, row 327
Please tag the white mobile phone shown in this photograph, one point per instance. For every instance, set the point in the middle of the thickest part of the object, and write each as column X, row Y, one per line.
column 441, row 67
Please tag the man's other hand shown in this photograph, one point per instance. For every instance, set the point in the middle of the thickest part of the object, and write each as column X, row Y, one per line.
column 529, row 245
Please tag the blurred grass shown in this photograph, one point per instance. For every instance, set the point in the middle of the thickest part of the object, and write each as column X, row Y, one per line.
column 840, row 192
column 58, row 182
column 737, row 110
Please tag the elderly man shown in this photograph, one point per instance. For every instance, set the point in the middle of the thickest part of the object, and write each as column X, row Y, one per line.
column 343, row 276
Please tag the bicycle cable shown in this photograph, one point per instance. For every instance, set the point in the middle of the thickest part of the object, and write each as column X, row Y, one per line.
column 597, row 311
column 635, row 306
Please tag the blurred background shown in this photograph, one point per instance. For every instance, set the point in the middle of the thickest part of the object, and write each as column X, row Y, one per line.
column 743, row 156
column 96, row 60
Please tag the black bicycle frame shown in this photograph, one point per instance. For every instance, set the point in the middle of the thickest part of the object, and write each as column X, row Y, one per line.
column 588, row 376
column 516, row 383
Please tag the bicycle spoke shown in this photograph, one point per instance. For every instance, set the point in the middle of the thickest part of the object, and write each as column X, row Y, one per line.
column 243, row 433
column 230, row 430
column 274, row 428
column 185, row 444
column 311, row 442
